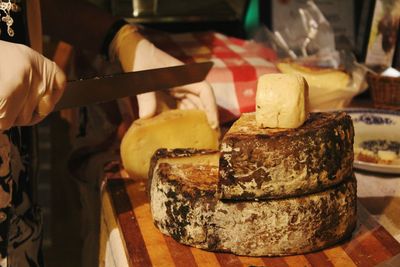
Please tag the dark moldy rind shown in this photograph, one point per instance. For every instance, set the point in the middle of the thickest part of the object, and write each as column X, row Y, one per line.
column 254, row 163
column 180, row 197
column 194, row 215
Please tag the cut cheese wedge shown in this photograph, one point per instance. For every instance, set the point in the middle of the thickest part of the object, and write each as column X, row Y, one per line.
column 170, row 129
column 278, row 163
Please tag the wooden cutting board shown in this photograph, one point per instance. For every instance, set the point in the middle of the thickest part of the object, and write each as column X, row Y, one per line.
column 370, row 244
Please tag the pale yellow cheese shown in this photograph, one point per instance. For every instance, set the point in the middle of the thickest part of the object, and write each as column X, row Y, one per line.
column 387, row 155
column 318, row 79
column 281, row 101
column 170, row 129
column 211, row 159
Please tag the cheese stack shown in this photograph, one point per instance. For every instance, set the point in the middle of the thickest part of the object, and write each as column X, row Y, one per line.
column 268, row 191
column 185, row 205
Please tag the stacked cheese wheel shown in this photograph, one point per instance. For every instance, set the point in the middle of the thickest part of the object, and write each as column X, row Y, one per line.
column 266, row 192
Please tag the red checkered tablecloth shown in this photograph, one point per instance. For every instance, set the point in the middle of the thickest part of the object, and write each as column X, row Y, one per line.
column 237, row 65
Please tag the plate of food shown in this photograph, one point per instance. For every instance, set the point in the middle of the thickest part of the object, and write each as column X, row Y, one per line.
column 376, row 140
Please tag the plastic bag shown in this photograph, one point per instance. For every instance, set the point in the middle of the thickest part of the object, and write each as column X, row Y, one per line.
column 306, row 46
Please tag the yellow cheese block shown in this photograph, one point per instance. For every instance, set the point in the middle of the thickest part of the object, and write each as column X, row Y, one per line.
column 326, row 79
column 281, row 101
column 170, row 129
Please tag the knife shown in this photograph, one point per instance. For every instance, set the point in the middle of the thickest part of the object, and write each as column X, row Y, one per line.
column 110, row 87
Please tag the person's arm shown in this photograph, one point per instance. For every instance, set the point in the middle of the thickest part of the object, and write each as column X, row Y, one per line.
column 85, row 26
column 77, row 22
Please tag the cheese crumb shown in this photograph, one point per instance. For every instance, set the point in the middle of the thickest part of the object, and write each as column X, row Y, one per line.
column 281, row 101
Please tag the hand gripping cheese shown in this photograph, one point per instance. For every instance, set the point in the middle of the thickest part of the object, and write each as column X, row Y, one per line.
column 185, row 205
column 281, row 101
column 170, row 129
column 278, row 163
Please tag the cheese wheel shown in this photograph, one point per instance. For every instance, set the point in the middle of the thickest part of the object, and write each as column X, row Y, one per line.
column 170, row 129
column 281, row 101
column 185, row 205
column 326, row 80
column 278, row 163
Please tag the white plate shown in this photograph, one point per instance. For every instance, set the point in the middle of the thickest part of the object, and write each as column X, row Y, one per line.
column 376, row 127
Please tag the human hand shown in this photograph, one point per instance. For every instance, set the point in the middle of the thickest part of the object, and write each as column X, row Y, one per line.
column 136, row 53
column 30, row 85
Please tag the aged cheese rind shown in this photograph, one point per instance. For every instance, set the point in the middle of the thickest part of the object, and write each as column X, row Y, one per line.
column 185, row 206
column 277, row 163
column 180, row 200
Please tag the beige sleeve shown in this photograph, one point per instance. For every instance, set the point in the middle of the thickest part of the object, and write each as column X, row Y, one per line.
column 123, row 46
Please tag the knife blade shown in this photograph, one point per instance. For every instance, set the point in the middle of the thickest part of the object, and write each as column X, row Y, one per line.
column 110, row 87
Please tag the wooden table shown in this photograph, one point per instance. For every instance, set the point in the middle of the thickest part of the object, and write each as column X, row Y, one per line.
column 129, row 237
